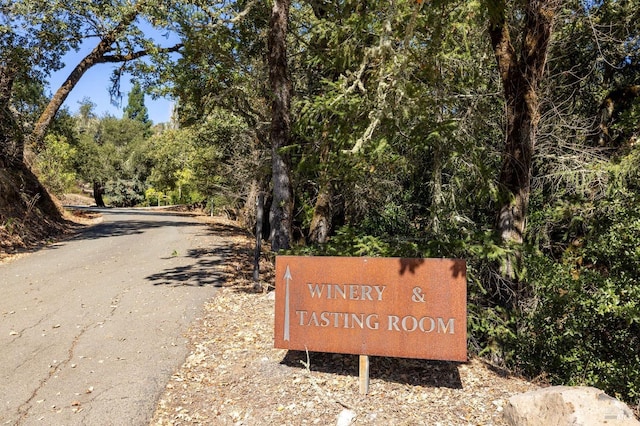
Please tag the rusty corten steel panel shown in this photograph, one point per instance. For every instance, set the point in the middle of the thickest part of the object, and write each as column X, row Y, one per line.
column 410, row 308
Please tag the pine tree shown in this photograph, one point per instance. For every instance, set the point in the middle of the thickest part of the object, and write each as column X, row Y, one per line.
column 136, row 109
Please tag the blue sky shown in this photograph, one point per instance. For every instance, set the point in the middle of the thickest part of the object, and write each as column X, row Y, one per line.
column 94, row 85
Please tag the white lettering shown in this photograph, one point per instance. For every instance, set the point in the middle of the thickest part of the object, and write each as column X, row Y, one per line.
column 414, row 323
column 315, row 290
column 393, row 323
column 410, row 324
column 372, row 325
column 353, row 292
column 379, row 290
column 432, row 324
column 350, row 320
column 338, row 319
column 366, row 292
column 301, row 314
column 324, row 318
column 314, row 319
column 336, row 316
column 346, row 291
column 442, row 328
column 358, row 319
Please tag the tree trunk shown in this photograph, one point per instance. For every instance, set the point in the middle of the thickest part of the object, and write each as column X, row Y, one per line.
column 27, row 194
column 258, row 249
column 617, row 101
column 98, row 191
column 11, row 136
column 323, row 210
column 259, row 181
column 248, row 213
column 520, row 75
column 322, row 216
column 280, row 216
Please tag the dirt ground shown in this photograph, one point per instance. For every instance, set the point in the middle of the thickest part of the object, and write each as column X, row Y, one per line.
column 234, row 376
column 30, row 233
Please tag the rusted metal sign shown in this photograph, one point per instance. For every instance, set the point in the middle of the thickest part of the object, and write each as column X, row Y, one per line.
column 410, row 308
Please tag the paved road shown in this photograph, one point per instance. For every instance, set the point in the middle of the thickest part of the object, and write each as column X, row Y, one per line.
column 92, row 328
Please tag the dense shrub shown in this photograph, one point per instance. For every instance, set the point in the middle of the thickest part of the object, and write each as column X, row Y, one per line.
column 125, row 193
column 582, row 323
column 54, row 165
column 582, row 328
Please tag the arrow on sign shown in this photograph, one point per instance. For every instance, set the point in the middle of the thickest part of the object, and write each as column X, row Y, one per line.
column 287, row 277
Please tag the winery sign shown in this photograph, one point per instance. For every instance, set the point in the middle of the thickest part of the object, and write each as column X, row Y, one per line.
column 398, row 307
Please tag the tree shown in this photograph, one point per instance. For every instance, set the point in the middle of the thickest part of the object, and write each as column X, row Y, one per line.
column 34, row 36
column 521, row 69
column 281, row 213
column 136, row 109
column 113, row 153
column 320, row 124
column 172, row 153
column 46, row 40
column 395, row 119
column 54, row 165
column 124, row 18
column 23, row 43
column 223, row 73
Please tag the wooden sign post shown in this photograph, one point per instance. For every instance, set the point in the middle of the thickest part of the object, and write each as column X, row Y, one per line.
column 398, row 307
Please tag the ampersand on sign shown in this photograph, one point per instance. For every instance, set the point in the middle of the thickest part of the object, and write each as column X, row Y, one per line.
column 418, row 296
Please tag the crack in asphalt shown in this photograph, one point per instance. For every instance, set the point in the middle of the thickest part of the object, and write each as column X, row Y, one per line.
column 33, row 355
column 21, row 332
column 23, row 410
column 25, row 407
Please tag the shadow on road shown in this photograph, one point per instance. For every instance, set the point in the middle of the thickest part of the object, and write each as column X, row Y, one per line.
column 123, row 227
column 216, row 265
column 207, row 270
column 117, row 229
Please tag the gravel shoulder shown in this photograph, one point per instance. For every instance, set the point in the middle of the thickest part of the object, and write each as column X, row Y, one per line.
column 234, row 376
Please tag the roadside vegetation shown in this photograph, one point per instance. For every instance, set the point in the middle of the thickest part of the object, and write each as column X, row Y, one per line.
column 500, row 132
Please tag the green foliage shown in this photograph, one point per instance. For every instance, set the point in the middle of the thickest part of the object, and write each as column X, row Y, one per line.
column 54, row 165
column 125, row 193
column 153, row 197
column 583, row 327
column 136, row 109
column 33, row 44
column 386, row 115
column 171, row 153
column 582, row 323
column 628, row 123
column 349, row 242
column 197, row 164
column 115, row 153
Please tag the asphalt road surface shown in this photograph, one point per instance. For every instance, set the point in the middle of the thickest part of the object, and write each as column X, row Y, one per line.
column 92, row 328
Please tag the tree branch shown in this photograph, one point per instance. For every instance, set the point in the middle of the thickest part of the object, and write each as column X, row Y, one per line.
column 137, row 55
column 96, row 56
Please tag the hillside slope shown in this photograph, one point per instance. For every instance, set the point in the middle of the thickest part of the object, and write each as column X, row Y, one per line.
column 28, row 213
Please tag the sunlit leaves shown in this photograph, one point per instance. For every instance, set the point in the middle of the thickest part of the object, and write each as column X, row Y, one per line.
column 55, row 165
